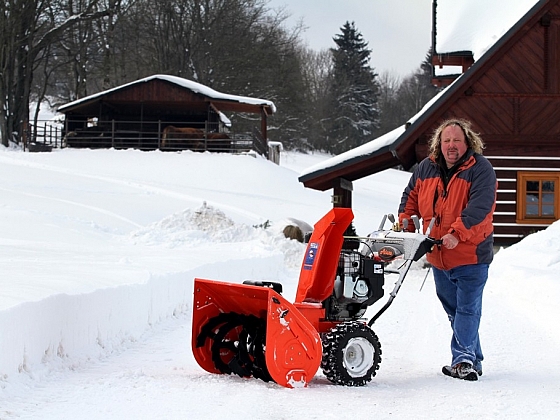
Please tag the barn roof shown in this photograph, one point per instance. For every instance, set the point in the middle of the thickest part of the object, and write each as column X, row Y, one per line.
column 395, row 147
column 226, row 101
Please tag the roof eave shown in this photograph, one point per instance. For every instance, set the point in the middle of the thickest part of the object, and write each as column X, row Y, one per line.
column 351, row 170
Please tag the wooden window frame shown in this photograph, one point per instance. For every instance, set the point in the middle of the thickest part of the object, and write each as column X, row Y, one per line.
column 522, row 178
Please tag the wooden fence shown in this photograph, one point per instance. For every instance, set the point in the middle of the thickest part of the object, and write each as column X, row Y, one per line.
column 144, row 135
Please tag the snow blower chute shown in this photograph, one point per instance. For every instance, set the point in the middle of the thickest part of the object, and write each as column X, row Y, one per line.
column 250, row 329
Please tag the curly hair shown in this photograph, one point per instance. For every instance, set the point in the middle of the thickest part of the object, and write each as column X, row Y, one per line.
column 473, row 139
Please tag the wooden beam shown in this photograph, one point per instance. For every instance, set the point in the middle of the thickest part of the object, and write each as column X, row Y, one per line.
column 342, row 195
column 465, row 61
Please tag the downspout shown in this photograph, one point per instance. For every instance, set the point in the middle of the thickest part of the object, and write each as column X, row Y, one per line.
column 434, row 33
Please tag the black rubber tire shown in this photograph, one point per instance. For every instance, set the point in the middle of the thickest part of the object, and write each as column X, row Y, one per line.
column 243, row 356
column 351, row 354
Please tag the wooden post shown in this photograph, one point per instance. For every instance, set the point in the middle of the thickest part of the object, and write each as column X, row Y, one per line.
column 264, row 133
column 342, row 194
column 159, row 134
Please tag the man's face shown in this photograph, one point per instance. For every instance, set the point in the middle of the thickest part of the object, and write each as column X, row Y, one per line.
column 453, row 144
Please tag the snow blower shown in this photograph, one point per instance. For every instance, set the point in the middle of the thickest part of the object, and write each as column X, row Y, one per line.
column 251, row 330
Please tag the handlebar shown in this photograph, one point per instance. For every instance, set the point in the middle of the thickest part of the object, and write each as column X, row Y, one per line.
column 435, row 241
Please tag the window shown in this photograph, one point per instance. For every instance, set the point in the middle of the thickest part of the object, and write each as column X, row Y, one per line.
column 538, row 200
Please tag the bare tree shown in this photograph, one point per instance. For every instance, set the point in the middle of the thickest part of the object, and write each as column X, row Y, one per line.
column 317, row 67
column 417, row 89
column 29, row 27
column 234, row 46
column 391, row 114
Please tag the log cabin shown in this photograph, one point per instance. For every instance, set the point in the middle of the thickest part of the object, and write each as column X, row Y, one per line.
column 509, row 89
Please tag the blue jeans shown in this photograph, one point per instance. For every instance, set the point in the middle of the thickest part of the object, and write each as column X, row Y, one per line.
column 460, row 292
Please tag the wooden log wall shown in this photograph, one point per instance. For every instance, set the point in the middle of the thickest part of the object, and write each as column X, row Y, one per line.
column 506, row 229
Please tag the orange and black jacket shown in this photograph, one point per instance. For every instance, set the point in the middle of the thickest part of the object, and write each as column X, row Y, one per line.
column 462, row 201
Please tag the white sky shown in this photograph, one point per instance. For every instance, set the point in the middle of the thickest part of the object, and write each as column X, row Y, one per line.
column 98, row 252
column 398, row 31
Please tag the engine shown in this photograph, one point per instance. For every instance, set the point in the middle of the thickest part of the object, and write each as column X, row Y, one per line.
column 358, row 284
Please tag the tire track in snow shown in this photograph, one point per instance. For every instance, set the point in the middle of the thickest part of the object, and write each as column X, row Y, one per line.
column 74, row 203
column 149, row 189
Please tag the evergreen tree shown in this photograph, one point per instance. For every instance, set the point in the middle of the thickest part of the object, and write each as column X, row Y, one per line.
column 354, row 91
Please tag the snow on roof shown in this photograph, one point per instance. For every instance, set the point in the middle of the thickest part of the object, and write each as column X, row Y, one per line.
column 225, row 120
column 363, row 150
column 188, row 84
column 476, row 25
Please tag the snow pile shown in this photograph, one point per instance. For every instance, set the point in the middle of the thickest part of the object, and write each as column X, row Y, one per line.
column 94, row 253
column 191, row 228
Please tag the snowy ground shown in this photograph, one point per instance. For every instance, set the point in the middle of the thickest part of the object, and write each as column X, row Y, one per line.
column 98, row 251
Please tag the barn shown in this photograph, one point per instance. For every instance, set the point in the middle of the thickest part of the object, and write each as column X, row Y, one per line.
column 165, row 112
column 509, row 90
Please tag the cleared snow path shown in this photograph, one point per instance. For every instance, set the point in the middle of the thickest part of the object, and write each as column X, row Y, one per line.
column 157, row 377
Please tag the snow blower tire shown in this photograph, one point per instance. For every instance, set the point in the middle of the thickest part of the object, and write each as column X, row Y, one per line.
column 351, row 354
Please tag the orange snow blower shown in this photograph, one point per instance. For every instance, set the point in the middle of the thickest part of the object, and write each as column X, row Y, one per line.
column 250, row 329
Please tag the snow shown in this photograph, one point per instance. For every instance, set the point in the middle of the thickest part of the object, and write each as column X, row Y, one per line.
column 98, row 252
column 476, row 25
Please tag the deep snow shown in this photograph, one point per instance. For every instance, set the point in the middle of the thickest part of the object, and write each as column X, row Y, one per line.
column 98, row 251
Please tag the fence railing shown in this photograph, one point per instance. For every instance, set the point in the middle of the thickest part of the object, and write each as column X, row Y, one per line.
column 44, row 135
column 144, row 135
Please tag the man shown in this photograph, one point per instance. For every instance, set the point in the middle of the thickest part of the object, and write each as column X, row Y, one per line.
column 456, row 185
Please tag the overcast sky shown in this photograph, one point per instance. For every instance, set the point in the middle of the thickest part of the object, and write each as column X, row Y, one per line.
column 398, row 31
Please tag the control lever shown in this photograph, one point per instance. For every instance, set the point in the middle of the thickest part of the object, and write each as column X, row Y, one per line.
column 405, row 224
column 430, row 226
column 416, row 222
column 382, row 222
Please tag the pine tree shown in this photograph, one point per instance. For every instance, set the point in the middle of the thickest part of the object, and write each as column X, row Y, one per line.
column 354, row 91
